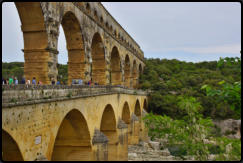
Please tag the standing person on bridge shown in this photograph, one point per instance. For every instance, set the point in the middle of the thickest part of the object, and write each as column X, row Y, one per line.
column 52, row 81
column 23, row 80
column 34, row 81
column 28, row 82
column 4, row 81
column 16, row 82
column 10, row 80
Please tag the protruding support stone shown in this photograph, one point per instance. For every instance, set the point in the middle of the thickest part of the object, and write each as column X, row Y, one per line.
column 135, row 128
column 123, row 141
column 100, row 146
column 41, row 158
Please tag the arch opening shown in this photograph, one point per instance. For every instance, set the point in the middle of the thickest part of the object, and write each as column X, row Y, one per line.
column 126, row 113
column 75, row 46
column 145, row 105
column 98, row 69
column 10, row 149
column 134, row 74
column 108, row 127
column 140, row 69
column 115, row 66
column 137, row 110
column 35, row 41
column 72, row 142
column 127, row 71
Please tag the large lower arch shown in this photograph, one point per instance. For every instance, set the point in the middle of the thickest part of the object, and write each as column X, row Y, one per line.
column 75, row 46
column 115, row 66
column 98, row 60
column 10, row 149
column 35, row 41
column 108, row 127
column 140, row 69
column 72, row 142
column 127, row 71
column 134, row 74
column 145, row 105
column 137, row 109
column 126, row 113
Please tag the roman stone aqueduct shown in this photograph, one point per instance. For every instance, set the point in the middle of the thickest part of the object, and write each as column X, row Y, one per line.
column 74, row 122
column 98, row 47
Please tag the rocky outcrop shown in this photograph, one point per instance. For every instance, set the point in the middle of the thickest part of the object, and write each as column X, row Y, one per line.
column 229, row 127
column 150, row 151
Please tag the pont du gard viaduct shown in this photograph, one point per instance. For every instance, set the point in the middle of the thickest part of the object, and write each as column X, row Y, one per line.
column 74, row 122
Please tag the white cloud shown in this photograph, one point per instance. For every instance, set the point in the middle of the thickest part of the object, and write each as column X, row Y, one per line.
column 222, row 49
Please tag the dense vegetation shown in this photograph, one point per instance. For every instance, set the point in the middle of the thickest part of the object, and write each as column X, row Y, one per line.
column 186, row 97
column 169, row 79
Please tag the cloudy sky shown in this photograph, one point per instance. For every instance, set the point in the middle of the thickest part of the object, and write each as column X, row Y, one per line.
column 185, row 31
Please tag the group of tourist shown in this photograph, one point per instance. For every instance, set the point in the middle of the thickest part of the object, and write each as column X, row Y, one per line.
column 14, row 81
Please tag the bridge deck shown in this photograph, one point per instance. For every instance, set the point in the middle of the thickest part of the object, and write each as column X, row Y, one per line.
column 16, row 95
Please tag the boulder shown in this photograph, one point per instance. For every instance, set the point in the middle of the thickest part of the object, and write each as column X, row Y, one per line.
column 133, row 155
column 228, row 148
column 206, row 141
column 229, row 127
column 154, row 145
column 211, row 157
column 165, row 152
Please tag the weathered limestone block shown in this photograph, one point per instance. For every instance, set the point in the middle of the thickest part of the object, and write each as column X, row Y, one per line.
column 229, row 126
column 154, row 145
column 135, row 129
column 100, row 146
column 123, row 141
column 143, row 130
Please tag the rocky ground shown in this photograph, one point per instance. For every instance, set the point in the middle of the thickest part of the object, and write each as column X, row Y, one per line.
column 156, row 151
column 149, row 152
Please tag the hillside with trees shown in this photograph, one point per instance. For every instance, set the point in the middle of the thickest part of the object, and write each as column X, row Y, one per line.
column 170, row 79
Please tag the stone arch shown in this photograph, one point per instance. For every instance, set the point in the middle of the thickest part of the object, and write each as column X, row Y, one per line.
column 96, row 14
column 140, row 69
column 111, row 28
column 134, row 74
column 81, row 4
column 10, row 148
column 145, row 105
column 73, row 139
column 126, row 113
column 98, row 68
column 137, row 109
column 115, row 67
column 101, row 19
column 75, row 46
column 127, row 72
column 107, row 25
column 88, row 8
column 35, row 41
column 108, row 127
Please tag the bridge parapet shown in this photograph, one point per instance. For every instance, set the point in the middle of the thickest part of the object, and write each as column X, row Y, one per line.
column 14, row 95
